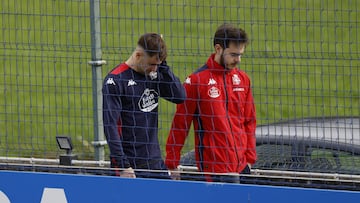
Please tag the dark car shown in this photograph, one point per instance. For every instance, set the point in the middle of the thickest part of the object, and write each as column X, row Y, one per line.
column 311, row 145
column 326, row 145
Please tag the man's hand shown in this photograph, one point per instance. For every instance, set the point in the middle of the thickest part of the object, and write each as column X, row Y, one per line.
column 163, row 67
column 128, row 173
column 175, row 174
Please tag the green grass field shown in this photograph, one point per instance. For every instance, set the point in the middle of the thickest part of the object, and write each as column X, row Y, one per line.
column 303, row 60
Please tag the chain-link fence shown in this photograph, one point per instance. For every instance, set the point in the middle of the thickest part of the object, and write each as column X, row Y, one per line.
column 303, row 60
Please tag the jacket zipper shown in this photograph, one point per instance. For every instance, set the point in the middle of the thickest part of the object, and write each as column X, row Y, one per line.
column 227, row 115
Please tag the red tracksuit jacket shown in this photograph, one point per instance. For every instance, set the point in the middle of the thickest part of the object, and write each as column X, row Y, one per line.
column 220, row 105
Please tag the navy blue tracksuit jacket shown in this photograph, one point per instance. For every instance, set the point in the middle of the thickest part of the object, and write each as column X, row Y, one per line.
column 130, row 114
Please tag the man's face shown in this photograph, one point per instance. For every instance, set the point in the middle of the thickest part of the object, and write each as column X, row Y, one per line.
column 148, row 64
column 231, row 56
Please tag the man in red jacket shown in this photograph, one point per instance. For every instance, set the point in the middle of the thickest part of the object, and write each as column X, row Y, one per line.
column 221, row 106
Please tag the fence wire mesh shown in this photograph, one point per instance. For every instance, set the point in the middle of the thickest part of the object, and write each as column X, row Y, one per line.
column 303, row 60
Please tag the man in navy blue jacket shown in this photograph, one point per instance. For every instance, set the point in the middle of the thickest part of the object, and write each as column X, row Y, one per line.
column 131, row 93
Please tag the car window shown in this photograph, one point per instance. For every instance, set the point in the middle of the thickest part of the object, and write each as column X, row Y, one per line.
column 341, row 162
column 286, row 157
column 271, row 156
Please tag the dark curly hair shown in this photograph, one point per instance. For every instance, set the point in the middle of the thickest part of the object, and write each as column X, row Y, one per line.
column 227, row 33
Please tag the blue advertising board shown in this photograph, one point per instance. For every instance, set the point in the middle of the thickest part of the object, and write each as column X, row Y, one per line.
column 35, row 187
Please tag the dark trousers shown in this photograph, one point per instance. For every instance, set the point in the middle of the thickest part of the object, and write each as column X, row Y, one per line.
column 149, row 169
column 152, row 169
column 230, row 178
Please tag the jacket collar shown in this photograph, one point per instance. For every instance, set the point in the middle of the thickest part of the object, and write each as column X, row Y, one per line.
column 213, row 65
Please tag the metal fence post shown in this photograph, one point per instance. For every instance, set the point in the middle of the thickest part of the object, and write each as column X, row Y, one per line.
column 96, row 63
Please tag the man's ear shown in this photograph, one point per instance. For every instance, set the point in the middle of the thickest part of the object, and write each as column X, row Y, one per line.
column 218, row 48
column 138, row 54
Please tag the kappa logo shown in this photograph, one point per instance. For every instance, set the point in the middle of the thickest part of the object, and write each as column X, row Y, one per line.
column 131, row 82
column 188, row 80
column 110, row 81
column 212, row 82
